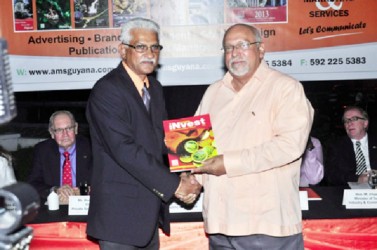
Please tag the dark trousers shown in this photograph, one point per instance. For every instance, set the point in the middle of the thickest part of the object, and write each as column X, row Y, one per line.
column 255, row 242
column 154, row 244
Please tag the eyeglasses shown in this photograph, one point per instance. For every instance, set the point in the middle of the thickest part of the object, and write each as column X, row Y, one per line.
column 239, row 46
column 352, row 119
column 141, row 48
column 59, row 131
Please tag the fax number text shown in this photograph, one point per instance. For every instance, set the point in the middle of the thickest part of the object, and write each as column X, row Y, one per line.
column 338, row 61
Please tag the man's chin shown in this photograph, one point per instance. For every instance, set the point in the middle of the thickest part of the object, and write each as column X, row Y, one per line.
column 148, row 70
column 351, row 135
column 65, row 145
column 238, row 73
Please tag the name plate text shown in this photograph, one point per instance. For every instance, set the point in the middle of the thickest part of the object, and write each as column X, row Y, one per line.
column 78, row 205
column 360, row 198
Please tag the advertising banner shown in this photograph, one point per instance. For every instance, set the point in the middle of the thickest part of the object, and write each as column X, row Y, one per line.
column 70, row 44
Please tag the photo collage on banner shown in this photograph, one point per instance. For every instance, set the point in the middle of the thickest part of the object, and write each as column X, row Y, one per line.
column 76, row 14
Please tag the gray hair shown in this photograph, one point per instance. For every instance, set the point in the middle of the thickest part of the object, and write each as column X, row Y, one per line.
column 137, row 23
column 363, row 113
column 55, row 114
column 254, row 30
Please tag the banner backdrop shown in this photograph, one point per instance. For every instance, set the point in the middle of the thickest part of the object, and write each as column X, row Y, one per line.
column 70, row 44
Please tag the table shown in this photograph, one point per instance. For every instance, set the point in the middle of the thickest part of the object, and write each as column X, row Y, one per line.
column 330, row 207
column 326, row 225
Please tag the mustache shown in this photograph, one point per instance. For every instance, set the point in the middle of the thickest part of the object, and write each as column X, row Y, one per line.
column 148, row 60
column 236, row 59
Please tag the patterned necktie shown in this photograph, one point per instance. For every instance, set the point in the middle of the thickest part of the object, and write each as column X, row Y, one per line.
column 361, row 166
column 67, row 171
column 146, row 97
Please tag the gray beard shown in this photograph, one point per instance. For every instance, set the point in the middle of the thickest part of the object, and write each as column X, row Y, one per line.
column 239, row 72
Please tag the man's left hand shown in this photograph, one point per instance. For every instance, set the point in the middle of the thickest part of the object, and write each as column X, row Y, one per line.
column 213, row 166
column 363, row 178
column 65, row 191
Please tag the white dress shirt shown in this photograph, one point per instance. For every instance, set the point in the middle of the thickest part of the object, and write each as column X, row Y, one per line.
column 364, row 149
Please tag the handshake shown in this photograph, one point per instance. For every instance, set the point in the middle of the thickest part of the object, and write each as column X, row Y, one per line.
column 188, row 189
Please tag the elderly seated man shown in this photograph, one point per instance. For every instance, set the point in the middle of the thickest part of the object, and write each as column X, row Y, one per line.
column 62, row 162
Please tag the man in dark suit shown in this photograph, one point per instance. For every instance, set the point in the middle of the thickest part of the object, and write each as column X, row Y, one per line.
column 131, row 185
column 48, row 158
column 341, row 166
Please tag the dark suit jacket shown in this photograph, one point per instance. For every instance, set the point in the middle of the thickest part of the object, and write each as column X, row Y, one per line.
column 131, row 185
column 46, row 165
column 340, row 166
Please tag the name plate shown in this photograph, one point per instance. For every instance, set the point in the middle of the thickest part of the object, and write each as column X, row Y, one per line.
column 360, row 198
column 304, row 201
column 78, row 205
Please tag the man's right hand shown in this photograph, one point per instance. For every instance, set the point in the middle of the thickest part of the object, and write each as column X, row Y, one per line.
column 64, row 192
column 188, row 189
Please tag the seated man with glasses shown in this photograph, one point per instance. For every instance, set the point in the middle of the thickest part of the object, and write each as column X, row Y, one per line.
column 64, row 161
column 352, row 157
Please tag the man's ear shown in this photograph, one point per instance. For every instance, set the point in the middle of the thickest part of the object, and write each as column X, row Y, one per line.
column 366, row 123
column 261, row 50
column 122, row 51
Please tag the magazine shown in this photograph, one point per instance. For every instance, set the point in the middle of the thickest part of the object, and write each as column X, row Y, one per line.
column 312, row 195
column 190, row 141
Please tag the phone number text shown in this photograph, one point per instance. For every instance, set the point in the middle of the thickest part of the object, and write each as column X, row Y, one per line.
column 279, row 63
column 338, row 61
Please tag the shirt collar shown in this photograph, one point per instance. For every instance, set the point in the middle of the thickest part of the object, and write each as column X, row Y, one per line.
column 71, row 150
column 363, row 140
column 139, row 84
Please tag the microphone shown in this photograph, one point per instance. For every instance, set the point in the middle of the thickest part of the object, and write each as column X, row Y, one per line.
column 8, row 108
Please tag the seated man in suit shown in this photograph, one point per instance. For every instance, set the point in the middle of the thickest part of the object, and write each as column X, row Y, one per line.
column 62, row 162
column 351, row 157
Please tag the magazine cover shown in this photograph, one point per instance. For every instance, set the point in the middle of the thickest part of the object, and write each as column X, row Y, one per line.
column 23, row 15
column 124, row 10
column 91, row 14
column 53, row 14
column 190, row 142
column 256, row 11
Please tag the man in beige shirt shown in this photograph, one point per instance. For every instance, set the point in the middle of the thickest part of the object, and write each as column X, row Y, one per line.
column 261, row 121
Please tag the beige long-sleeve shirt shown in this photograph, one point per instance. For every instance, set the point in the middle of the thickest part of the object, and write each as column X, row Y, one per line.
column 262, row 131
